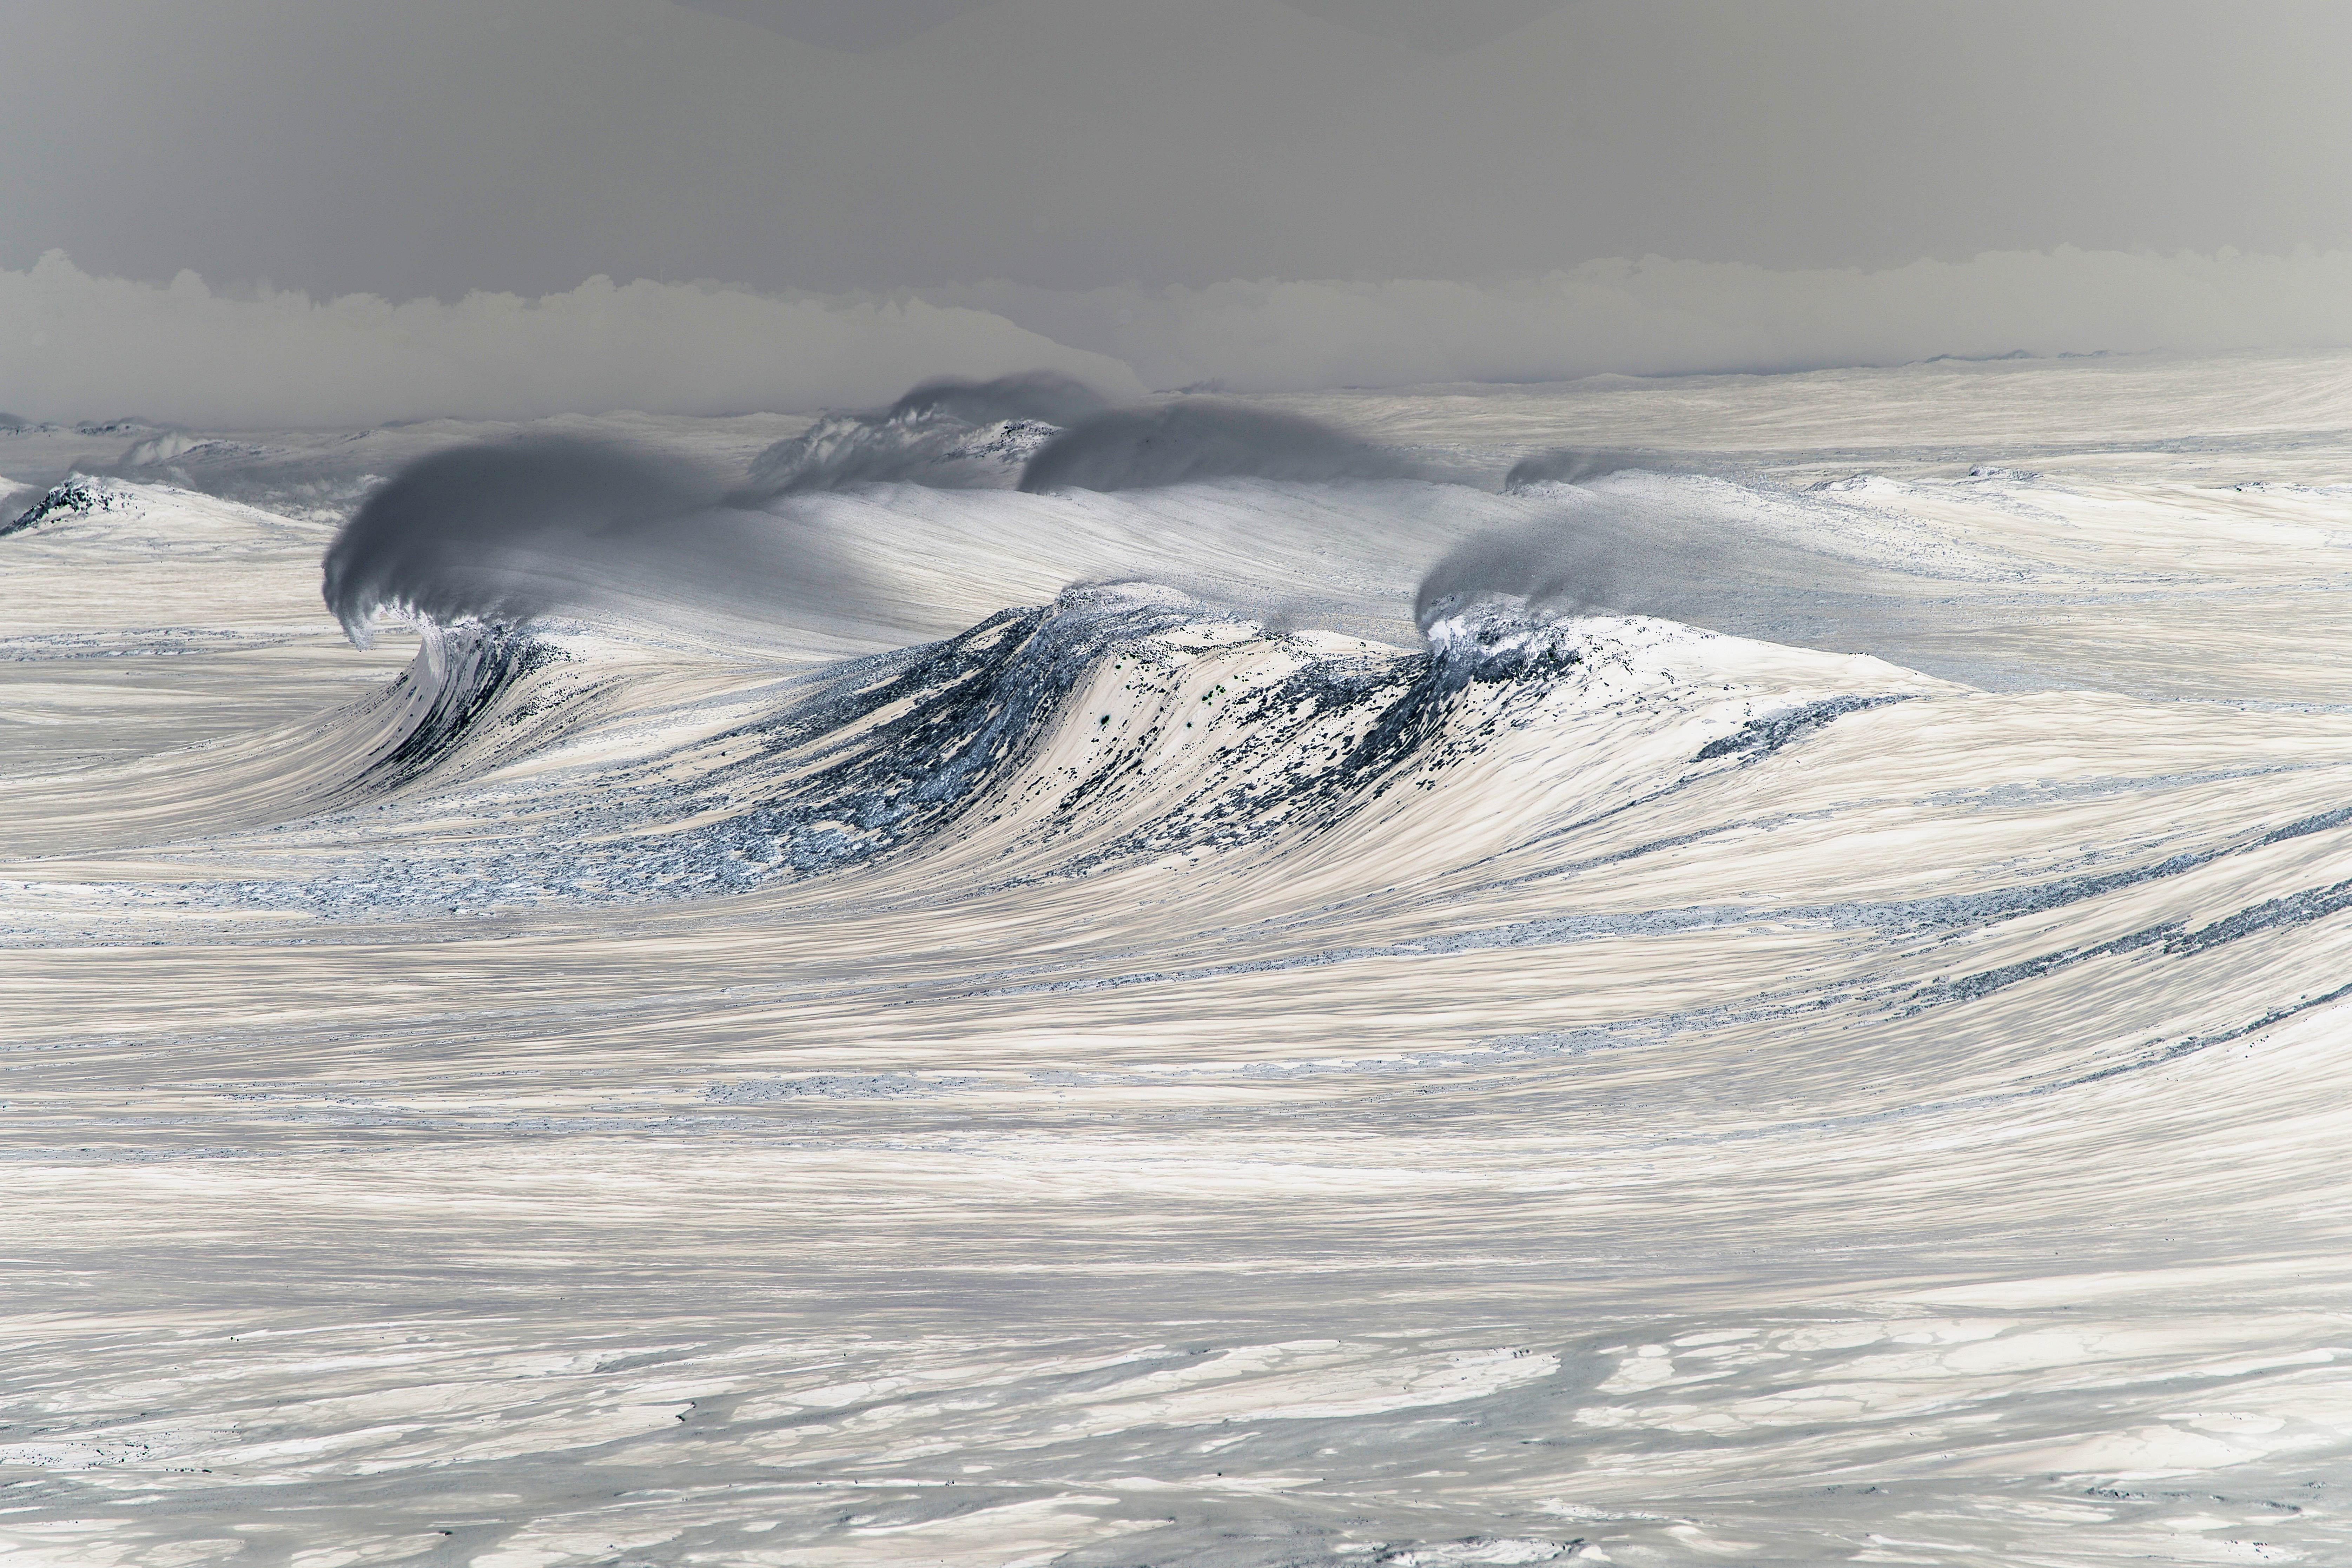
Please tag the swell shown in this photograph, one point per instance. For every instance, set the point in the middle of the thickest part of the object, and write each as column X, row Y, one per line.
column 1224, row 734
column 1366, row 788
column 1069, row 728
column 473, row 698
column 889, row 752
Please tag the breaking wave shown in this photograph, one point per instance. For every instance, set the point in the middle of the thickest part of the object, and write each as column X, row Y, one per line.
column 949, row 434
column 1116, row 726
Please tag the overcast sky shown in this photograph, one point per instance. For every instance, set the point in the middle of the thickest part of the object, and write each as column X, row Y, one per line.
column 431, row 147
column 263, row 212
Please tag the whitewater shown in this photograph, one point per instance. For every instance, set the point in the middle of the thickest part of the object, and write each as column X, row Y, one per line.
column 1709, row 970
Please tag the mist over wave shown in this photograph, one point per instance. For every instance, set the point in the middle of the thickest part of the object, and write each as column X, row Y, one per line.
column 1261, row 513
column 510, row 533
column 1613, row 556
column 548, row 525
column 1195, row 438
column 1574, row 465
column 1043, row 395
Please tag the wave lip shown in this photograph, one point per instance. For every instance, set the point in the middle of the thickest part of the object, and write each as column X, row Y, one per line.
column 1491, row 639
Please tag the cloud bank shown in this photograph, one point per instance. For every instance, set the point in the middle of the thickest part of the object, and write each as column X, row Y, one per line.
column 1659, row 317
column 76, row 346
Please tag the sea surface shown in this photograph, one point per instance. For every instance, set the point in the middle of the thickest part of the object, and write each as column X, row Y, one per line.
column 1717, row 970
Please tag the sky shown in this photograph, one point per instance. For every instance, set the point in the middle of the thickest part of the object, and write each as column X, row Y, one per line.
column 981, row 153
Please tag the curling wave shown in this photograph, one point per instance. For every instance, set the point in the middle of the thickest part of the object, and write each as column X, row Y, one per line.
column 1118, row 726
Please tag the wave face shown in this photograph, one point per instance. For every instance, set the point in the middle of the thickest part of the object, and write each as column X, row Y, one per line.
column 1255, row 1020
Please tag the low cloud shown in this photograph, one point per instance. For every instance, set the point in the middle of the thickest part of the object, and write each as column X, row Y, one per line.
column 76, row 346
column 1658, row 317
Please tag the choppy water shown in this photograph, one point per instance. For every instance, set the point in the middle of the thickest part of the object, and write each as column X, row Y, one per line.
column 1096, row 1045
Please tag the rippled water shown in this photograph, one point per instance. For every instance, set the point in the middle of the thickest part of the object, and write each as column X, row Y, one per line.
column 1124, row 1055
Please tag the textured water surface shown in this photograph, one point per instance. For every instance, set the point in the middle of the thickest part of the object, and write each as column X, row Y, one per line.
column 1126, row 1053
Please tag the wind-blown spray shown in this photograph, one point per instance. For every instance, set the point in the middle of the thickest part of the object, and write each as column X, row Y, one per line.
column 547, row 526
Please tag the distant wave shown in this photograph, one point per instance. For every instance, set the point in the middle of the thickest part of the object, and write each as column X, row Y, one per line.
column 1041, row 431
column 948, row 433
column 75, row 497
column 1575, row 465
column 1199, row 438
